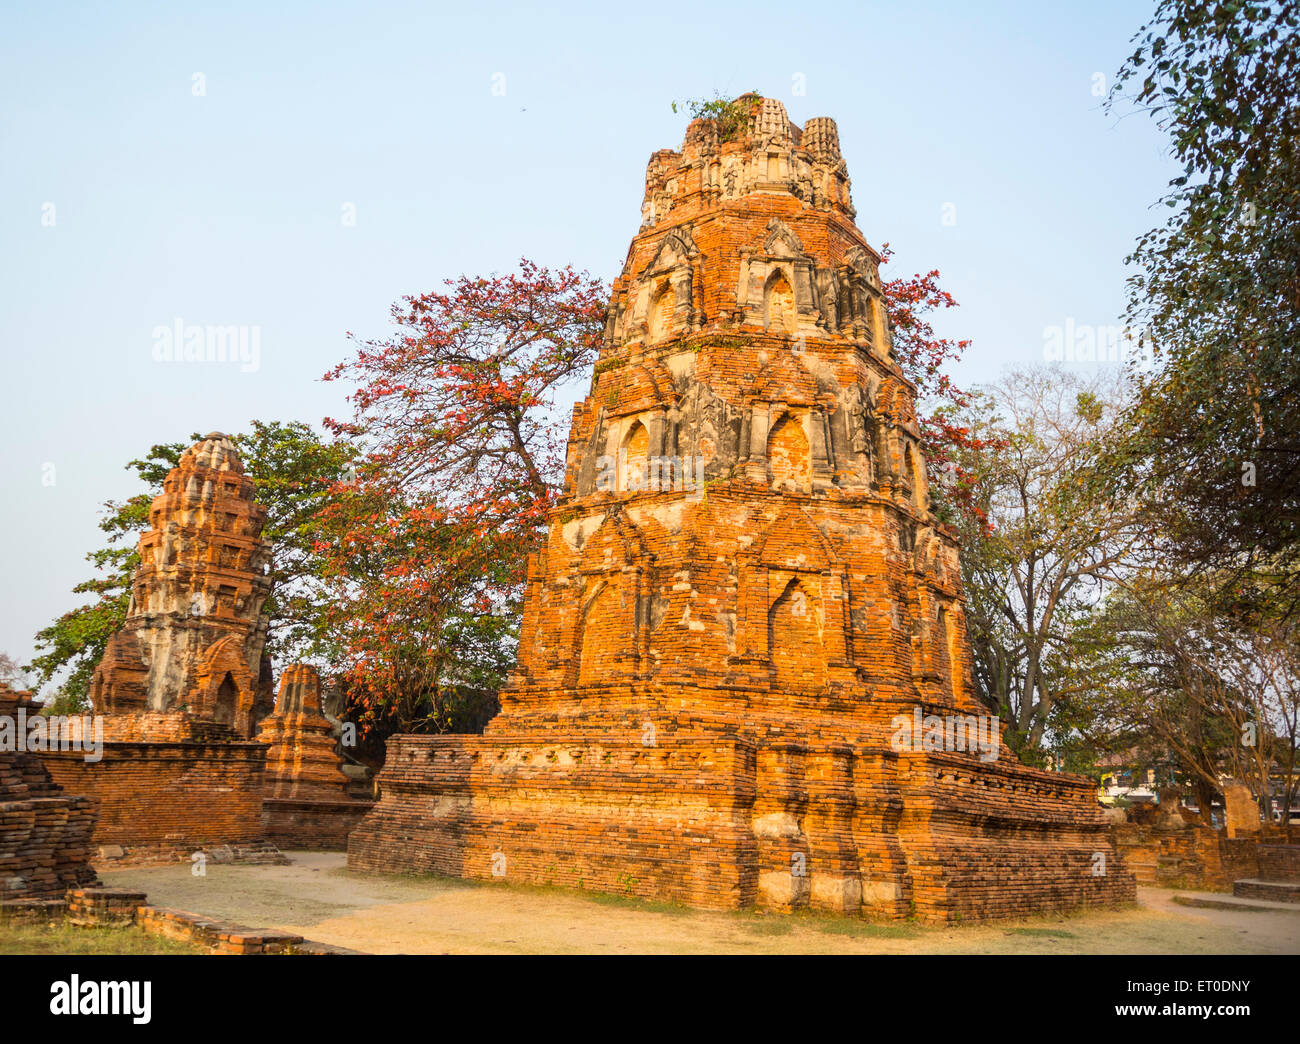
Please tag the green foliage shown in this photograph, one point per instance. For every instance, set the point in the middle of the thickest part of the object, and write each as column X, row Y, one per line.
column 732, row 117
column 1215, row 428
column 64, row 939
column 1171, row 680
column 294, row 473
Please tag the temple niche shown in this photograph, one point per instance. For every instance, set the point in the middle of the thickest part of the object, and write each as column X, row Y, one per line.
column 711, row 673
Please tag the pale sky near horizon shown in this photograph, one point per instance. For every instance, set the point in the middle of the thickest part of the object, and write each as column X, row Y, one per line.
column 130, row 199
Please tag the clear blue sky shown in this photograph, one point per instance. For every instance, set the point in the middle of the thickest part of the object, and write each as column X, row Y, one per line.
column 226, row 208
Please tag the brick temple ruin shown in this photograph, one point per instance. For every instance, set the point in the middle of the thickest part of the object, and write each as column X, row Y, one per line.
column 44, row 833
column 744, row 603
column 184, row 683
column 308, row 801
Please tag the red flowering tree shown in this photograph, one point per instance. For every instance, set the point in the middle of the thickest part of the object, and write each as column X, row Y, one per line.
column 464, row 454
column 924, row 356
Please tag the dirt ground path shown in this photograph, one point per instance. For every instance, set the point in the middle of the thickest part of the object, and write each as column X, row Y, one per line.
column 319, row 898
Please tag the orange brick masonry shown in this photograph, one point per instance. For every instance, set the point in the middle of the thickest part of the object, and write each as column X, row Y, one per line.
column 742, row 588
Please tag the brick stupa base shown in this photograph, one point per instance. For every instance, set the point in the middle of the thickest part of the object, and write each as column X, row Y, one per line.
column 728, row 821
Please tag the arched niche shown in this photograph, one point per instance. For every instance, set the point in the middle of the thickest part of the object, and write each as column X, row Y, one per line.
column 663, row 302
column 789, row 454
column 634, row 458
column 606, row 635
column 792, row 594
column 659, row 318
column 599, row 631
column 779, row 311
column 795, row 633
column 224, row 687
column 227, row 701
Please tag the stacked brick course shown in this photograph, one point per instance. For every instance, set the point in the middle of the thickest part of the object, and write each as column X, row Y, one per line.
column 44, row 833
column 1277, row 878
column 712, row 661
column 161, row 802
column 114, row 907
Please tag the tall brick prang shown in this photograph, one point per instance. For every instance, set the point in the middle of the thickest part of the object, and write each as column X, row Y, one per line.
column 744, row 675
column 193, row 637
column 183, row 683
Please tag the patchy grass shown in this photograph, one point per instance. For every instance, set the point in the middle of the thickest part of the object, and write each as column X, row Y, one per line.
column 1051, row 933
column 62, row 938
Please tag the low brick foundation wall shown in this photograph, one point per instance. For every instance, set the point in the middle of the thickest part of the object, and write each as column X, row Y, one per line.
column 113, row 907
column 1269, row 891
column 717, row 821
column 679, row 832
column 1195, row 857
column 163, row 801
column 1206, row 859
column 45, row 845
column 45, row 834
column 321, row 826
column 1279, row 862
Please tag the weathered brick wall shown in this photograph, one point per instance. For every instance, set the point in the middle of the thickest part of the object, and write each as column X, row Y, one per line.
column 177, row 797
column 1196, row 857
column 1239, row 857
column 717, row 822
column 1201, row 857
column 1279, row 862
column 668, row 821
column 306, row 823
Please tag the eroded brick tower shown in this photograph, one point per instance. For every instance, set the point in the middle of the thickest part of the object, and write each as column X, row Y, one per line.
column 183, row 683
column 742, row 595
column 192, row 640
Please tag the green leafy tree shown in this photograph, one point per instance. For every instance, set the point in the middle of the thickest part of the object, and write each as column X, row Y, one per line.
column 1216, row 420
column 1170, row 679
